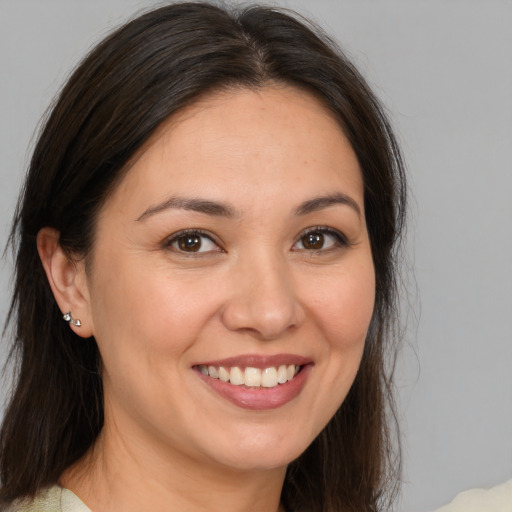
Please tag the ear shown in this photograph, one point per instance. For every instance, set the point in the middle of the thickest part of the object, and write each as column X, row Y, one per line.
column 67, row 279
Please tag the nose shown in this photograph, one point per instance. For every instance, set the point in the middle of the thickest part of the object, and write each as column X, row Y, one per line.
column 262, row 299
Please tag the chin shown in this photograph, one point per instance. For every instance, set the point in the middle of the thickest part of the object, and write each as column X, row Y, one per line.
column 261, row 453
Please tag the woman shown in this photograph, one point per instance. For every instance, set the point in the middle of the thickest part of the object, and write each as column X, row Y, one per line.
column 205, row 280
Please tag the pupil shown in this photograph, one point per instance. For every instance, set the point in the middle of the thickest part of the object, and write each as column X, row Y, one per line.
column 313, row 241
column 190, row 243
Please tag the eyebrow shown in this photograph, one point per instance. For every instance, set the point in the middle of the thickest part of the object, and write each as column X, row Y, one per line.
column 224, row 210
column 194, row 204
column 319, row 203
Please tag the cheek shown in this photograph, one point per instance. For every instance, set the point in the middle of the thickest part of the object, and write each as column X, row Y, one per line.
column 341, row 309
column 344, row 305
column 149, row 312
column 145, row 322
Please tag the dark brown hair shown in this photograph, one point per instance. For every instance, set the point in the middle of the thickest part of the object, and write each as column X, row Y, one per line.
column 124, row 89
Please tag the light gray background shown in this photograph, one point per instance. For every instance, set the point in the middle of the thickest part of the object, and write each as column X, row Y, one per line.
column 444, row 69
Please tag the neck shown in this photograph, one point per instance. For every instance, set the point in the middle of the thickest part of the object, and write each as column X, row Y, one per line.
column 119, row 473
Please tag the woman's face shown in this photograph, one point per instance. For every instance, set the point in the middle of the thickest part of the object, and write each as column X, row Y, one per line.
column 236, row 240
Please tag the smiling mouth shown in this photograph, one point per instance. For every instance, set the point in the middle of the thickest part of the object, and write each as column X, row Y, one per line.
column 269, row 377
column 257, row 382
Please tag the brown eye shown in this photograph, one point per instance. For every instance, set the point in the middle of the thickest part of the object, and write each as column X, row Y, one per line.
column 320, row 239
column 189, row 243
column 313, row 241
column 192, row 242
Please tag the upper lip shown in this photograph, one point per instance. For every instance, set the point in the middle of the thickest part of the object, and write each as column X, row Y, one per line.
column 257, row 361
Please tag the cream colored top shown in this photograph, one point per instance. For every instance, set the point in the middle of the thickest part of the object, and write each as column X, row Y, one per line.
column 497, row 499
column 54, row 499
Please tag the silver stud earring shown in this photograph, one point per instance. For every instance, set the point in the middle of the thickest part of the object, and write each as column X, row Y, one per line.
column 68, row 318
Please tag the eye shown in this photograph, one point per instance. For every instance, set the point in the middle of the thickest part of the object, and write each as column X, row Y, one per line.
column 192, row 242
column 320, row 239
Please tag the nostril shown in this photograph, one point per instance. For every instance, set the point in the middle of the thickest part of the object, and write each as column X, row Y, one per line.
column 265, row 319
column 263, row 300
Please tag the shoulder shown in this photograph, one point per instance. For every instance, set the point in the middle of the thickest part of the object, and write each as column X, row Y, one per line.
column 496, row 499
column 53, row 499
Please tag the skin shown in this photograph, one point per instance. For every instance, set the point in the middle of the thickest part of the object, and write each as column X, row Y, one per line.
column 255, row 287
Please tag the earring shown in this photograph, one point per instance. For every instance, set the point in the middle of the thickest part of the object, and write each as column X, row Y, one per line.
column 68, row 318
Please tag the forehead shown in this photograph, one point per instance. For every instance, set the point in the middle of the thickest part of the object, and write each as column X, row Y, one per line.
column 244, row 145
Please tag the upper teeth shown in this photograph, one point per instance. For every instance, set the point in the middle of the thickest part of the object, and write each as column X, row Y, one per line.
column 253, row 377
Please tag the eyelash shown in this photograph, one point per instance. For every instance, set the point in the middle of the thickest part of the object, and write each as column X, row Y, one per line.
column 340, row 238
column 174, row 239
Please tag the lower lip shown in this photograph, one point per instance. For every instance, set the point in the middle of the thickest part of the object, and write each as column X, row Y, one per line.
column 259, row 398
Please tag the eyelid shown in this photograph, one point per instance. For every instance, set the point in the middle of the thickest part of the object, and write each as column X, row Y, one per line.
column 170, row 240
column 340, row 237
